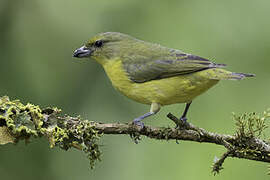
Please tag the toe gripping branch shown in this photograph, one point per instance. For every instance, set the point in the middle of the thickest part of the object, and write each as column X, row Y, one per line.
column 180, row 123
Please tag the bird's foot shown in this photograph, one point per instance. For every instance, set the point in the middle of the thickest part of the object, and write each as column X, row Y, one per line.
column 183, row 121
column 138, row 122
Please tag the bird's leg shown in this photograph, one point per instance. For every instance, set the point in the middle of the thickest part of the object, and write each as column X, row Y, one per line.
column 138, row 121
column 183, row 117
column 155, row 107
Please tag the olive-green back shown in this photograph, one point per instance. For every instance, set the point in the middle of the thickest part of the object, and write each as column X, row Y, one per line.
column 150, row 61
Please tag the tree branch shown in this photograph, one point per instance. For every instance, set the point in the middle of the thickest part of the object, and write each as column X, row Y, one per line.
column 18, row 121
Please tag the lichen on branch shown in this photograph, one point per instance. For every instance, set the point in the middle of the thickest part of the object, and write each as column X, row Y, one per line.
column 20, row 122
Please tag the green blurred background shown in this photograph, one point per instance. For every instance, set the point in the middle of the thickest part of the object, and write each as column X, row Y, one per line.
column 37, row 39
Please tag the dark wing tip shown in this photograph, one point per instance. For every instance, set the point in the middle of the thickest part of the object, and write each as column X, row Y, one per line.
column 249, row 75
column 219, row 65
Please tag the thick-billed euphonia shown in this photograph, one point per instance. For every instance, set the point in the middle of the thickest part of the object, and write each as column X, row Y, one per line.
column 153, row 74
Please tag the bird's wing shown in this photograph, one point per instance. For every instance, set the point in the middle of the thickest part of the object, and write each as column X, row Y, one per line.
column 145, row 69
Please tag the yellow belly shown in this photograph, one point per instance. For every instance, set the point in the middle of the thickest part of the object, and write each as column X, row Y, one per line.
column 179, row 89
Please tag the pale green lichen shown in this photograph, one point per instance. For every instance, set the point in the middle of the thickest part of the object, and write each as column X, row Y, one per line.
column 23, row 121
column 19, row 121
column 77, row 133
column 250, row 125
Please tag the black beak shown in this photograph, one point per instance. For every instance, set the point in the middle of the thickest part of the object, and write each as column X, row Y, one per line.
column 82, row 52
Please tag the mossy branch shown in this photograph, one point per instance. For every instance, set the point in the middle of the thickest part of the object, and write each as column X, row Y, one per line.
column 20, row 122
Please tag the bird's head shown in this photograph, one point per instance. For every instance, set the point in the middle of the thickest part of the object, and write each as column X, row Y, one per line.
column 106, row 46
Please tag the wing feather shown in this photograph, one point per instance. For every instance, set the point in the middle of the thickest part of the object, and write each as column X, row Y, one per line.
column 179, row 63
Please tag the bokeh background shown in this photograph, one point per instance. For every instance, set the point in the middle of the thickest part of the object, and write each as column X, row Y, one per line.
column 37, row 39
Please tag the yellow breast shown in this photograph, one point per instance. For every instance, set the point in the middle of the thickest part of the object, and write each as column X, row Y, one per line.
column 179, row 89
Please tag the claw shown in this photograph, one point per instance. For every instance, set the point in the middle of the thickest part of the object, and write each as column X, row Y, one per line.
column 139, row 123
column 184, row 119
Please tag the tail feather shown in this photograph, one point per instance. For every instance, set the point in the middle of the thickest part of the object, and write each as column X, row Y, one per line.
column 241, row 75
column 222, row 74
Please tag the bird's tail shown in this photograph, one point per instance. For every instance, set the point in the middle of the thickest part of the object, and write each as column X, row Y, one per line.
column 239, row 76
column 222, row 74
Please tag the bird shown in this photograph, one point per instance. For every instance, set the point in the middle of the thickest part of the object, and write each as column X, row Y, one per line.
column 153, row 74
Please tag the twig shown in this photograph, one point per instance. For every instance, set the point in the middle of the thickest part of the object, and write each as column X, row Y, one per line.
column 24, row 121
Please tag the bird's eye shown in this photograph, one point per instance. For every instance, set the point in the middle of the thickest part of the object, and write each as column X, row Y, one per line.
column 98, row 43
